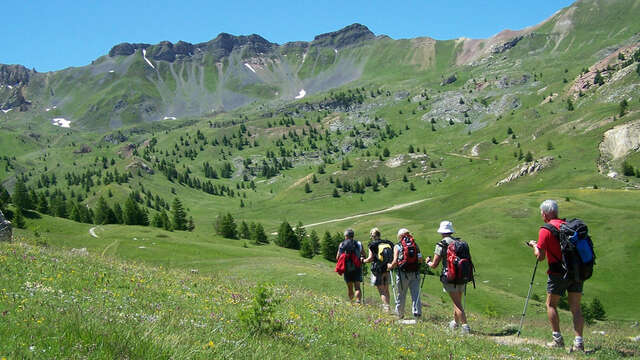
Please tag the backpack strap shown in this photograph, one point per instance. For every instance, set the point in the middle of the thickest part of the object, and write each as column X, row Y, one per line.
column 556, row 234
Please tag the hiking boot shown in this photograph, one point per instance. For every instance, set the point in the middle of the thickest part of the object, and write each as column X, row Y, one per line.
column 577, row 347
column 453, row 325
column 557, row 343
column 466, row 330
column 386, row 308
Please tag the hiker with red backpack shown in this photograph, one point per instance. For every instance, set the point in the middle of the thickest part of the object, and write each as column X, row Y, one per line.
column 407, row 258
column 349, row 257
column 569, row 252
column 380, row 254
column 457, row 270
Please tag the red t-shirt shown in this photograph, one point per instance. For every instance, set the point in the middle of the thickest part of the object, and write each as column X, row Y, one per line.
column 551, row 245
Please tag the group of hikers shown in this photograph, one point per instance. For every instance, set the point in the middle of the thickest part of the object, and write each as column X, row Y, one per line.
column 398, row 264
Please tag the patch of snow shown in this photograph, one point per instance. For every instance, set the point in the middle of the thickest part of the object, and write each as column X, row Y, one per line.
column 142, row 247
column 61, row 122
column 336, row 50
column 144, row 55
column 304, row 56
column 301, row 274
column 47, row 109
column 301, row 94
column 612, row 174
column 249, row 66
column 112, row 71
column 10, row 87
column 169, row 118
column 6, row 111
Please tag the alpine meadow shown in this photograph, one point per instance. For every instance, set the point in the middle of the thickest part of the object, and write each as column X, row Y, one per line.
column 186, row 201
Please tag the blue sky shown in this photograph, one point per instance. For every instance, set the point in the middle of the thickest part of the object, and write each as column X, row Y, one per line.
column 55, row 34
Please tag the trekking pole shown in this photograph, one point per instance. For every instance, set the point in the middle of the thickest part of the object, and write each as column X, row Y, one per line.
column 362, row 272
column 464, row 301
column 524, row 311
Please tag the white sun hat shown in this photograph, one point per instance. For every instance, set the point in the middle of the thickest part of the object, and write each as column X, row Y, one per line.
column 402, row 231
column 446, row 227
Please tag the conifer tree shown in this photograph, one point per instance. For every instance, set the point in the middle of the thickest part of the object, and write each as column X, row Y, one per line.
column 179, row 216
column 326, row 247
column 21, row 197
column 306, row 250
column 286, row 237
column 190, row 224
column 258, row 234
column 101, row 212
column 19, row 219
column 315, row 242
column 244, row 230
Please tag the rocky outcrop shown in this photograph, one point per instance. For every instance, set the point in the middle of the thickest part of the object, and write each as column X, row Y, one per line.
column 529, row 168
column 115, row 138
column 497, row 49
column 620, row 141
column 449, row 80
column 139, row 165
column 350, row 35
column 5, row 228
column 126, row 49
column 14, row 75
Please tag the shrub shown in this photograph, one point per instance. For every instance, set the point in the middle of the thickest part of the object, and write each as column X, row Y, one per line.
column 259, row 317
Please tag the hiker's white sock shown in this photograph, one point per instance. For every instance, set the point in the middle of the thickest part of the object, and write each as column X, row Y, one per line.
column 578, row 340
column 466, row 326
column 557, row 335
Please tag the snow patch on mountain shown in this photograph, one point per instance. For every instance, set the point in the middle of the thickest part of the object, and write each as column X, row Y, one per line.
column 301, row 94
column 249, row 66
column 144, row 55
column 61, row 122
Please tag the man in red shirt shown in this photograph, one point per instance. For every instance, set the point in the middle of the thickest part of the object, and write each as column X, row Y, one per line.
column 548, row 246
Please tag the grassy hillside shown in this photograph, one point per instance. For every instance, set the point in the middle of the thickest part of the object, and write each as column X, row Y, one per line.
column 162, row 304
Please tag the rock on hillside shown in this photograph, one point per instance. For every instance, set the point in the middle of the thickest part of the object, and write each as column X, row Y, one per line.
column 530, row 168
column 620, row 141
column 5, row 228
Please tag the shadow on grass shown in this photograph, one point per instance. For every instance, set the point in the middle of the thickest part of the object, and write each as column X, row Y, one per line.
column 504, row 332
column 31, row 214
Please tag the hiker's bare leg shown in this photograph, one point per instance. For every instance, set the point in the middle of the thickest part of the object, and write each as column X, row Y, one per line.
column 552, row 311
column 458, row 311
column 574, row 305
column 350, row 290
column 383, row 290
column 357, row 286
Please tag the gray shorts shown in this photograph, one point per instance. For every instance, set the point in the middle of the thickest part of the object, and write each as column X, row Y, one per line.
column 448, row 288
column 380, row 279
column 556, row 285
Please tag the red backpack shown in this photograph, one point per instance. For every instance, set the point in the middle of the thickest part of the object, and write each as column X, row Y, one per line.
column 408, row 260
column 459, row 269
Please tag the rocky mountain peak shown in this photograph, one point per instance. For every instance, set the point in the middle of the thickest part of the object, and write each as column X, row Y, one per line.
column 13, row 75
column 352, row 34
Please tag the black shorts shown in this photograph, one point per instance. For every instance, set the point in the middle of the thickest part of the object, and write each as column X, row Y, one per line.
column 354, row 276
column 556, row 285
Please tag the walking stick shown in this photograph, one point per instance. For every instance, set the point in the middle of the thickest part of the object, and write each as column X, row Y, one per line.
column 362, row 272
column 464, row 301
column 524, row 311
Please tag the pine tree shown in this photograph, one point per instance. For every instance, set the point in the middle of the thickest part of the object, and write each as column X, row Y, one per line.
column 286, row 237
column 244, row 231
column 326, row 247
column 21, row 197
column 117, row 212
column 597, row 310
column 190, row 224
column 259, row 235
column 301, row 232
column 102, row 212
column 306, row 250
column 19, row 219
column 315, row 242
column 178, row 215
column 307, row 188
column 225, row 226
